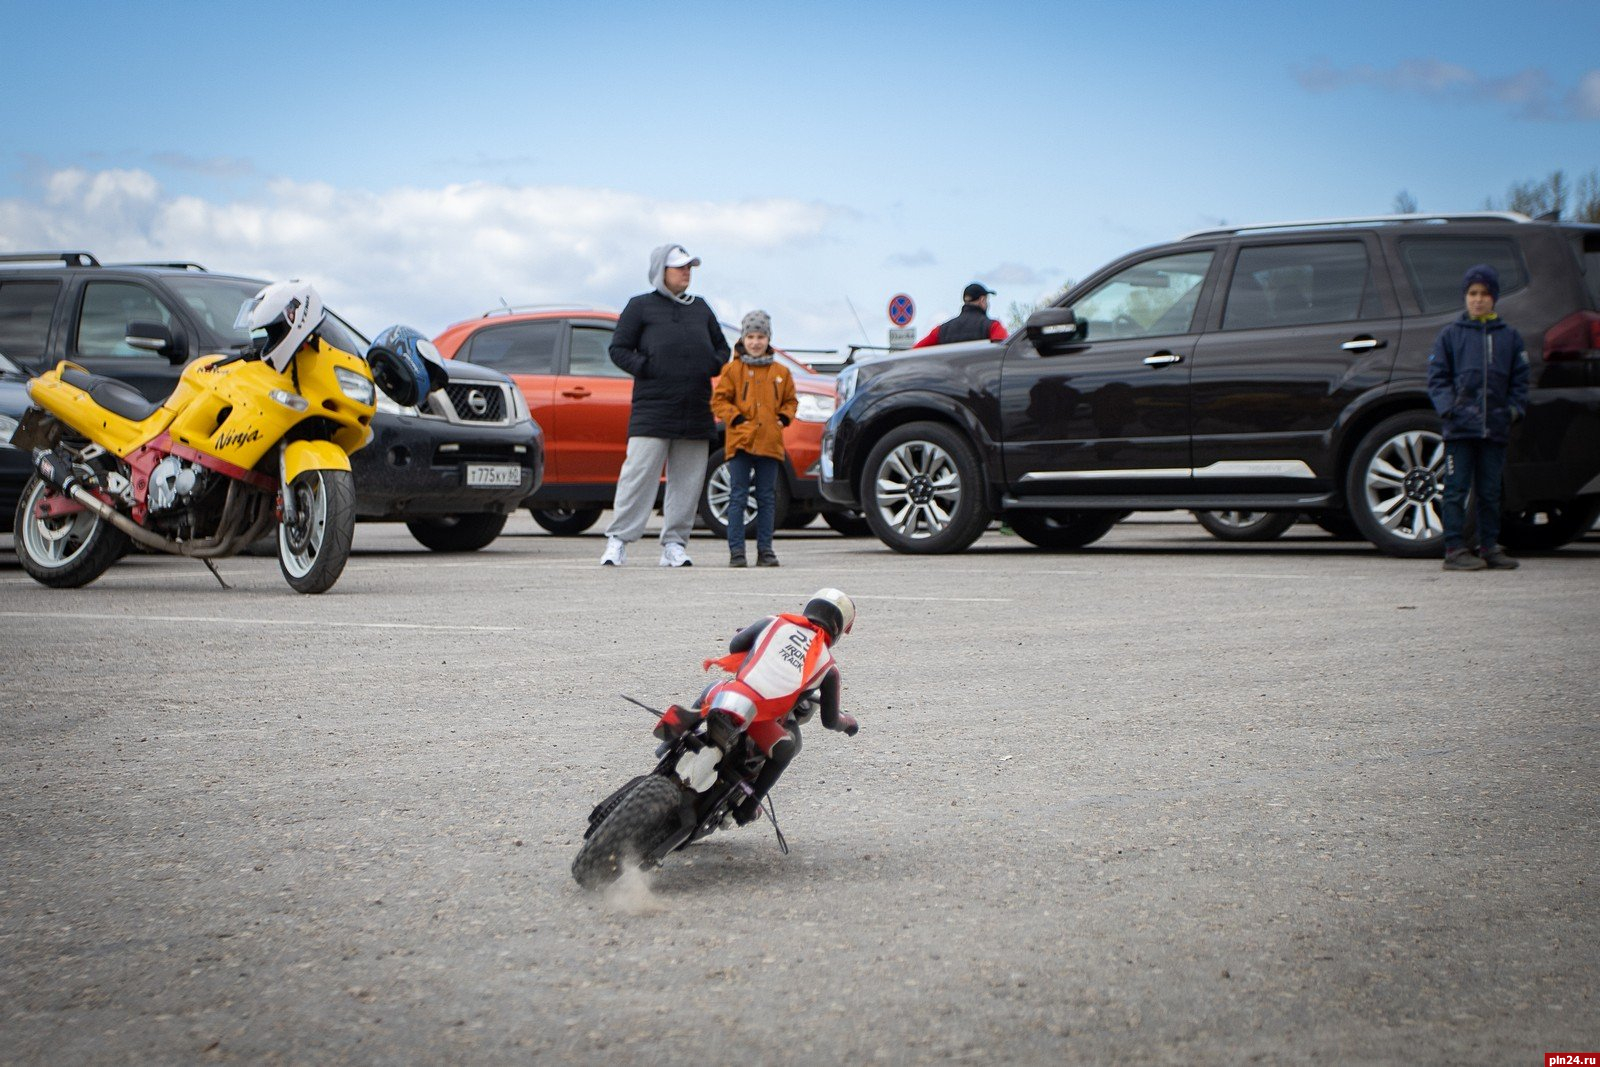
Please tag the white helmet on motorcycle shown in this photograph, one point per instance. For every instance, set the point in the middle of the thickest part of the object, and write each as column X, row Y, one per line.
column 285, row 314
column 832, row 610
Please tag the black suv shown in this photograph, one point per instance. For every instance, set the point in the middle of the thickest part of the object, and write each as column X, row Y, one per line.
column 452, row 471
column 1259, row 368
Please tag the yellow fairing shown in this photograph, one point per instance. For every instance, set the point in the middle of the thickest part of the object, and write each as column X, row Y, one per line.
column 302, row 456
column 72, row 406
column 236, row 411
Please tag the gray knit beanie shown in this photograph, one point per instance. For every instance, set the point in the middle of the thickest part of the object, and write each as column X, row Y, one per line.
column 756, row 322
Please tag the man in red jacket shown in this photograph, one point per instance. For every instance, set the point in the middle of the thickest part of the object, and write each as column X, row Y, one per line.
column 972, row 324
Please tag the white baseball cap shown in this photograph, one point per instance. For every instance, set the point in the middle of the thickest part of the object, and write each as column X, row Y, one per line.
column 679, row 257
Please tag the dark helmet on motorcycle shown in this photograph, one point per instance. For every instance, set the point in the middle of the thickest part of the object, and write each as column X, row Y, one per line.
column 406, row 365
column 832, row 610
column 281, row 318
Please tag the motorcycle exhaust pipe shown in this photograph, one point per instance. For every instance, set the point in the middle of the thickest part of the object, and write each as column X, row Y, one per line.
column 56, row 469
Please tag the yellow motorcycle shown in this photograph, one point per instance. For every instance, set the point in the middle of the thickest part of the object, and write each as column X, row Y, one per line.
column 246, row 441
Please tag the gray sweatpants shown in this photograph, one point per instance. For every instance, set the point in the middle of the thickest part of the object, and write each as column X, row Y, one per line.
column 641, row 473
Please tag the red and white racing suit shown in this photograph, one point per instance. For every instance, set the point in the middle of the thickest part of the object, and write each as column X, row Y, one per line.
column 788, row 656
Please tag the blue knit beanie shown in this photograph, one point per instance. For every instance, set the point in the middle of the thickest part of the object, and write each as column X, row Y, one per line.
column 1483, row 275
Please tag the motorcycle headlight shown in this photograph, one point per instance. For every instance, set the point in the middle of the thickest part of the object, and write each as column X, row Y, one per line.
column 357, row 387
column 814, row 407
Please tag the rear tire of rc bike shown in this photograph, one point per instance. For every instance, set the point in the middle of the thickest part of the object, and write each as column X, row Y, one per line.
column 313, row 550
column 641, row 820
column 66, row 552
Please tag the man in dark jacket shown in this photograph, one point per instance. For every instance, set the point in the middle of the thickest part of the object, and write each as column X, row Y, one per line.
column 1478, row 382
column 972, row 324
column 671, row 343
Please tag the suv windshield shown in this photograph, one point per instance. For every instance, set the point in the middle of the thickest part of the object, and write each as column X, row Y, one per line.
column 215, row 303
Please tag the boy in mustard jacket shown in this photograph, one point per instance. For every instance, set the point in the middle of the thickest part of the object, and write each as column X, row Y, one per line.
column 755, row 400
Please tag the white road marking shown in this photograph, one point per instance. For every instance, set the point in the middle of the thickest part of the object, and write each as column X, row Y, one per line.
column 224, row 620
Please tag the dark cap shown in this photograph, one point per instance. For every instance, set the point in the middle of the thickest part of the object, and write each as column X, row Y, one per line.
column 972, row 292
column 1483, row 275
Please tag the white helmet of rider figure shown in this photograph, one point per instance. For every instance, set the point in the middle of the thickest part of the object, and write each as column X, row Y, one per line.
column 287, row 313
column 833, row 610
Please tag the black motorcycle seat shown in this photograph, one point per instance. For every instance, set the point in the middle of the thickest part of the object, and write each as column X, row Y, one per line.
column 117, row 397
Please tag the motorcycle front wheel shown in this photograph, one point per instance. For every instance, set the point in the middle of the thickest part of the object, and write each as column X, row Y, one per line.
column 643, row 817
column 67, row 551
column 313, row 549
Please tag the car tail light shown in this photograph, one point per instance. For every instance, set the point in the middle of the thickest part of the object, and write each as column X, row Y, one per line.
column 1575, row 337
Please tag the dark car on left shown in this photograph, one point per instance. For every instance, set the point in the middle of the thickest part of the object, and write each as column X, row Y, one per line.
column 452, row 469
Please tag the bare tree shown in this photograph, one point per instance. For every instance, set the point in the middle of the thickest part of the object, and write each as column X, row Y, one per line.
column 1405, row 203
column 1586, row 198
column 1017, row 312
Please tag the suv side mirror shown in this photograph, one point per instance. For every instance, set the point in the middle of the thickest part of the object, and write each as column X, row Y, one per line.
column 1050, row 327
column 154, row 337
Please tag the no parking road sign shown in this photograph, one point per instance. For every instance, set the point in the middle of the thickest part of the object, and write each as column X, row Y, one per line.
column 901, row 310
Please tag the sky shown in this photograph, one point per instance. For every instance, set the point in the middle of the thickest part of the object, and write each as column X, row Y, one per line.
column 423, row 163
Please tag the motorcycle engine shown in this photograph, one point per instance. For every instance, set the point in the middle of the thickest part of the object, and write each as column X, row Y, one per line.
column 172, row 485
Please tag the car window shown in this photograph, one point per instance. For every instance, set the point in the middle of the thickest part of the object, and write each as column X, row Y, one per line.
column 1590, row 256
column 515, row 348
column 25, row 310
column 1151, row 298
column 108, row 308
column 1434, row 266
column 214, row 303
column 591, row 353
column 1299, row 284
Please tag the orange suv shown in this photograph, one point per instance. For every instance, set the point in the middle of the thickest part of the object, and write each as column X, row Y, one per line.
column 560, row 358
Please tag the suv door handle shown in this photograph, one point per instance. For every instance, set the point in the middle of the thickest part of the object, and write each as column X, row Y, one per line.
column 577, row 394
column 1162, row 359
column 1357, row 344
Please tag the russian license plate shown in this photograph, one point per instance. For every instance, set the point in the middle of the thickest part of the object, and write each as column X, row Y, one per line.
column 486, row 474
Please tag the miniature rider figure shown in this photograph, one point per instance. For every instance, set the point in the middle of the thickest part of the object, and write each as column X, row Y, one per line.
column 777, row 662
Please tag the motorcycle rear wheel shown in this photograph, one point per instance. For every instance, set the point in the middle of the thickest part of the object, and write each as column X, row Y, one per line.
column 313, row 550
column 65, row 552
column 643, row 817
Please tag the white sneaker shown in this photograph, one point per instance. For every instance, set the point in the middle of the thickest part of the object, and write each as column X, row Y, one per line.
column 674, row 556
column 616, row 552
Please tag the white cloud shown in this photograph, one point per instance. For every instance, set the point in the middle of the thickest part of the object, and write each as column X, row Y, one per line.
column 431, row 256
column 1532, row 93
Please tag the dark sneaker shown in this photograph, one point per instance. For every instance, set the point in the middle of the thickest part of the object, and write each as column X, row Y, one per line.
column 767, row 558
column 737, row 559
column 1497, row 560
column 1459, row 559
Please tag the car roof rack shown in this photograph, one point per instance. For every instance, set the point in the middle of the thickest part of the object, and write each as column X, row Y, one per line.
column 71, row 259
column 1367, row 220
column 518, row 309
column 164, row 266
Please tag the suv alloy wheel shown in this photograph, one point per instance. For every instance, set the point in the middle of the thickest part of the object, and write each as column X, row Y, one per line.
column 923, row 490
column 1395, row 483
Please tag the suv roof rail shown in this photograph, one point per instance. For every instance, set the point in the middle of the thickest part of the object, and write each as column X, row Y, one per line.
column 517, row 309
column 168, row 266
column 1366, row 220
column 71, row 259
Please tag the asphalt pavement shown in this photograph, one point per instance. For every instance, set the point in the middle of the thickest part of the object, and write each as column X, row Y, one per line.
column 1166, row 800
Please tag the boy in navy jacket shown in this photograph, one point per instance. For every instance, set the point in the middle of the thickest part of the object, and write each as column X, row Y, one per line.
column 1478, row 381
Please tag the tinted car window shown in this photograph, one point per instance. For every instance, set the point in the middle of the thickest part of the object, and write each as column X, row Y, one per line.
column 108, row 308
column 591, row 353
column 516, row 348
column 1589, row 253
column 1147, row 299
column 215, row 303
column 1434, row 266
column 1294, row 285
column 25, row 309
